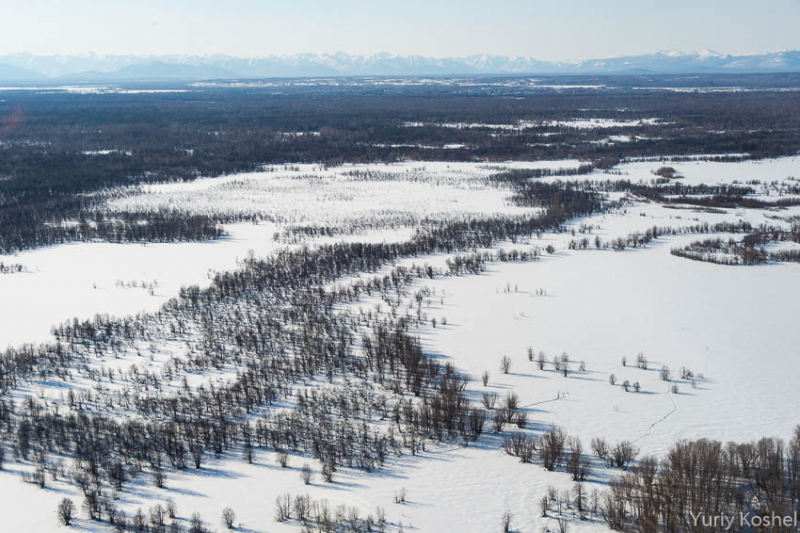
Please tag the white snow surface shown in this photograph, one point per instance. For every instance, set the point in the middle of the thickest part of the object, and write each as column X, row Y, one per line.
column 737, row 326
column 695, row 172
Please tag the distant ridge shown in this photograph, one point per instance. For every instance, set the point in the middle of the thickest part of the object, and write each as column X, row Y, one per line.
column 86, row 67
column 13, row 73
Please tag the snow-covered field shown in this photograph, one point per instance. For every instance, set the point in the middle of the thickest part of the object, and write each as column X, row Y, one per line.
column 734, row 327
column 85, row 276
column 82, row 279
column 405, row 195
column 579, row 124
column 767, row 172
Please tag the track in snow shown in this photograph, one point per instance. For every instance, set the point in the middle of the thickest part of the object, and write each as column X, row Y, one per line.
column 654, row 424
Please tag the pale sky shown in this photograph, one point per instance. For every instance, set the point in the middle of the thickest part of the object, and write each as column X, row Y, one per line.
column 546, row 29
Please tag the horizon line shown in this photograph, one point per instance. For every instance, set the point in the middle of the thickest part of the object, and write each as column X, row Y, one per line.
column 663, row 51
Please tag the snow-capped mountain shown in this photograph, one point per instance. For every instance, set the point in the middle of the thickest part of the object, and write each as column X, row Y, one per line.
column 24, row 66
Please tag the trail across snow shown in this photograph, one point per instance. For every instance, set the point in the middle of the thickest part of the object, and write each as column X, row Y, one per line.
column 663, row 418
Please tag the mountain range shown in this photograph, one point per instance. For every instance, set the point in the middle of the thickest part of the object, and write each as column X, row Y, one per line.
column 25, row 67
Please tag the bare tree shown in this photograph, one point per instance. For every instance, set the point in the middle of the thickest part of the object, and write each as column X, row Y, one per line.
column 283, row 508
column 327, row 472
column 158, row 519
column 66, row 510
column 521, row 419
column 623, row 453
column 578, row 465
column 140, row 521
column 489, row 399
column 92, row 505
column 540, row 360
column 520, row 445
column 579, row 500
column 499, row 418
column 600, row 448
column 505, row 522
column 196, row 524
column 552, row 448
column 121, row 523
column 306, row 474
column 302, row 507
column 283, row 459
column 172, row 508
column 159, row 477
column 512, row 401
column 228, row 517
column 505, row 364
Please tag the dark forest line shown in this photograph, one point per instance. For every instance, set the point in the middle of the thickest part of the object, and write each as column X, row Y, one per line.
column 49, row 143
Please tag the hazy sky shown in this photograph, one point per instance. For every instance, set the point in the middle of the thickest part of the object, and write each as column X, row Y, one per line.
column 546, row 29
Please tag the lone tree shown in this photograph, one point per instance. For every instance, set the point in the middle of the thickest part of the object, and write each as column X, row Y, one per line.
column 505, row 364
column 505, row 522
column 196, row 524
column 666, row 172
column 540, row 360
column 66, row 510
column 306, row 474
column 228, row 517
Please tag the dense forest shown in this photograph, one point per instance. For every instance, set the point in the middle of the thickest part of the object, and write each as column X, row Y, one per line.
column 57, row 147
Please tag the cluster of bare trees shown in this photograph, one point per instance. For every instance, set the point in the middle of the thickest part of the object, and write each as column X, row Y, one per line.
column 619, row 456
column 722, row 252
column 699, row 480
column 83, row 222
column 712, row 197
column 640, row 239
column 320, row 515
column 160, row 518
column 10, row 268
column 578, row 503
column 748, row 251
column 554, row 449
column 775, row 235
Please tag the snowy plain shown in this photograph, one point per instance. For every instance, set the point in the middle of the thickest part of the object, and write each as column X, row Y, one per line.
column 734, row 325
